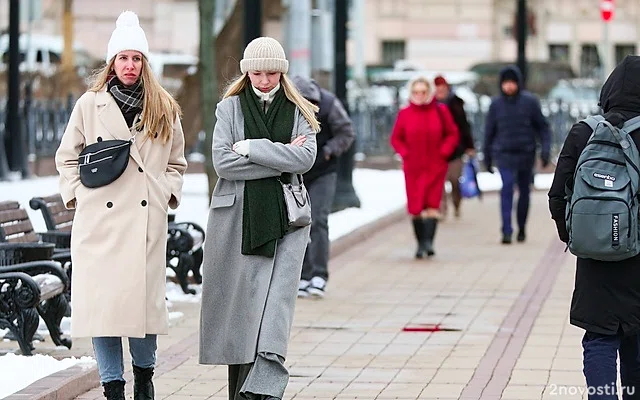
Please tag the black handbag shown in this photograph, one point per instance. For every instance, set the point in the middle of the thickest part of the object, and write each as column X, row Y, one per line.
column 103, row 162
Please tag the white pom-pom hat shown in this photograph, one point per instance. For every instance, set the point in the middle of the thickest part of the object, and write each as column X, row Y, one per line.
column 128, row 35
column 264, row 54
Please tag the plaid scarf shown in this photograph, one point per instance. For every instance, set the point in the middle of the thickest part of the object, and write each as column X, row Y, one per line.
column 129, row 98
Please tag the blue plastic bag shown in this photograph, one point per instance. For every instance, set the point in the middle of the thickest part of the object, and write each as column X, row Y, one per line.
column 468, row 181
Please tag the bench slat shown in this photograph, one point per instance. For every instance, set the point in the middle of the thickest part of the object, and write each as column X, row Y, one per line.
column 63, row 218
column 16, row 228
column 28, row 238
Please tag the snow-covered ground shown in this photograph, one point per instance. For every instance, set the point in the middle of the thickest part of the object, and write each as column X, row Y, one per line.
column 380, row 193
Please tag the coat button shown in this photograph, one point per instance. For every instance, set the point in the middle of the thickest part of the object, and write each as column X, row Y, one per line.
column 140, row 169
column 109, row 204
column 144, row 203
column 99, row 138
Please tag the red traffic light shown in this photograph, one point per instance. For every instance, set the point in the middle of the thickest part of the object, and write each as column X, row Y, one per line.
column 606, row 9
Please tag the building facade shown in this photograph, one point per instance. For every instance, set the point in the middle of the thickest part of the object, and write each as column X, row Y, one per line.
column 455, row 34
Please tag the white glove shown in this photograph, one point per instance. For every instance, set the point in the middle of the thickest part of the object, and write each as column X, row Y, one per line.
column 242, row 147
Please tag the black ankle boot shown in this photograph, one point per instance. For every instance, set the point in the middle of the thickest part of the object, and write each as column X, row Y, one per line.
column 418, row 230
column 114, row 390
column 430, row 225
column 142, row 383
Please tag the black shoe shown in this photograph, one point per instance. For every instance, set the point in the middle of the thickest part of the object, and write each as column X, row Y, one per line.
column 521, row 236
column 506, row 239
column 430, row 225
column 142, row 384
column 114, row 390
column 418, row 230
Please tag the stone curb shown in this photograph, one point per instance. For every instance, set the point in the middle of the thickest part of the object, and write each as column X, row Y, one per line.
column 62, row 385
column 74, row 381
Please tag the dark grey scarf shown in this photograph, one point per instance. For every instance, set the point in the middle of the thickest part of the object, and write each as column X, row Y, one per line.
column 128, row 98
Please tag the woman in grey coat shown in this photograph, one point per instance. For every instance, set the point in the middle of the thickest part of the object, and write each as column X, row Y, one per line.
column 265, row 130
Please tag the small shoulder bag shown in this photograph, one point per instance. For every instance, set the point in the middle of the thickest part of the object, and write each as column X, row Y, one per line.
column 297, row 201
column 103, row 162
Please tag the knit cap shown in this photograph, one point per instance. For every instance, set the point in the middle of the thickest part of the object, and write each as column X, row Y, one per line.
column 128, row 35
column 264, row 54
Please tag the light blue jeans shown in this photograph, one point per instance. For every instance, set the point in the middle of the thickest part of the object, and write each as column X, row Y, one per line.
column 108, row 351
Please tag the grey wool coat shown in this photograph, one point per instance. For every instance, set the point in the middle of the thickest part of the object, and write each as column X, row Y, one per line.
column 248, row 301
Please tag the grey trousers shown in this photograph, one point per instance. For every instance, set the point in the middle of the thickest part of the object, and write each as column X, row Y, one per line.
column 316, row 259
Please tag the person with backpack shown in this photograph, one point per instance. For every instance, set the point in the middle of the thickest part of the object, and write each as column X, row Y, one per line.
column 606, row 297
column 513, row 125
column 446, row 96
column 335, row 136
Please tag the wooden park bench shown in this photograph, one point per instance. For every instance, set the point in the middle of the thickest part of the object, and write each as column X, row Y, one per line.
column 31, row 282
column 16, row 227
column 28, row 291
column 184, row 239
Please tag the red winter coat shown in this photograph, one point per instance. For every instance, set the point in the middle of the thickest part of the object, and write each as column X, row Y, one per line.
column 424, row 136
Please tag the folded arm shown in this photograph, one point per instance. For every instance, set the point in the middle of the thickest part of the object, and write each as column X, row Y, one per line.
column 227, row 163
column 295, row 159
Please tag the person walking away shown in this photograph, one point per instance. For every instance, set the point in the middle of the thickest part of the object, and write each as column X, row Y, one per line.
column 335, row 137
column 513, row 126
column 265, row 132
column 425, row 136
column 606, row 296
column 446, row 96
column 119, row 234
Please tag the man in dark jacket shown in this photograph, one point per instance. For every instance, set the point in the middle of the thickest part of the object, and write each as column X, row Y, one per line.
column 335, row 136
column 513, row 125
column 606, row 297
column 445, row 95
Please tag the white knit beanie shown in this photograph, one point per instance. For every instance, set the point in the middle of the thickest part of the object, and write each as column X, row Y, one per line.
column 128, row 35
column 264, row 54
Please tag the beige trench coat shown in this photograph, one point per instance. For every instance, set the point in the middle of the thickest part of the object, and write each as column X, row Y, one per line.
column 119, row 234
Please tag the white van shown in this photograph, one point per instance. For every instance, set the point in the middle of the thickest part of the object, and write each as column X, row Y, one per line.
column 43, row 53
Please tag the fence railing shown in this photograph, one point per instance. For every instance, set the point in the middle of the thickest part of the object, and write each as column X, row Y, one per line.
column 43, row 124
column 373, row 125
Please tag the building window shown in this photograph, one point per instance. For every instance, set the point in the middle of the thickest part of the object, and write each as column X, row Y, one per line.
column 590, row 63
column 392, row 51
column 623, row 50
column 559, row 52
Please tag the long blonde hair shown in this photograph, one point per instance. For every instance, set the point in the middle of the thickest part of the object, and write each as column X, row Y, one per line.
column 307, row 108
column 159, row 108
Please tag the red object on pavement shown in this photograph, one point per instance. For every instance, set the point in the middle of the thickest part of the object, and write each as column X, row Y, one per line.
column 425, row 328
column 606, row 9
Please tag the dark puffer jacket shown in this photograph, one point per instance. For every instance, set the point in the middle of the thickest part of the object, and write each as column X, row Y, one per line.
column 606, row 297
column 513, row 126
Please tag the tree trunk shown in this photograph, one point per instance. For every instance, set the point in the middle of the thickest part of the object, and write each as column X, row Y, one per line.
column 208, row 84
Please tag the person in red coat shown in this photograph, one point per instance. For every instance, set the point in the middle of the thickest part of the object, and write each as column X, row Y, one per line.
column 425, row 136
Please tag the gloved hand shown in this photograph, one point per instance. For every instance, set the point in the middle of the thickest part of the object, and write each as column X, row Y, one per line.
column 545, row 160
column 242, row 147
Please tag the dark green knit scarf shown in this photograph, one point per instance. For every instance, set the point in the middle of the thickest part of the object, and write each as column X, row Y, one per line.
column 264, row 213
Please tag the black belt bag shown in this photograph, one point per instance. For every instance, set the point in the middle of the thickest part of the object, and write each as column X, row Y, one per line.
column 103, row 162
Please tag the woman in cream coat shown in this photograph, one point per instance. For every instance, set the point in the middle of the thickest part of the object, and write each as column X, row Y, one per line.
column 264, row 128
column 119, row 233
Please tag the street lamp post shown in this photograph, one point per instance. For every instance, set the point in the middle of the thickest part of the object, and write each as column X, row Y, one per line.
column 521, row 34
column 252, row 20
column 17, row 145
column 345, row 193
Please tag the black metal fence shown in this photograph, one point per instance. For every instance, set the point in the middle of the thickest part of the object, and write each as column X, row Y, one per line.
column 373, row 125
column 43, row 123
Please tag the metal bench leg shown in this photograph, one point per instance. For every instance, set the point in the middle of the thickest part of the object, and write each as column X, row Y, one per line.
column 23, row 328
column 52, row 311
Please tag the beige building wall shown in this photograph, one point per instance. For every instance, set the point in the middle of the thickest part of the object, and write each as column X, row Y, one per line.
column 454, row 34
column 170, row 25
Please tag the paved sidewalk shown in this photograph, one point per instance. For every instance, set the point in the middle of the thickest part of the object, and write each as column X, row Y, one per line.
column 488, row 321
